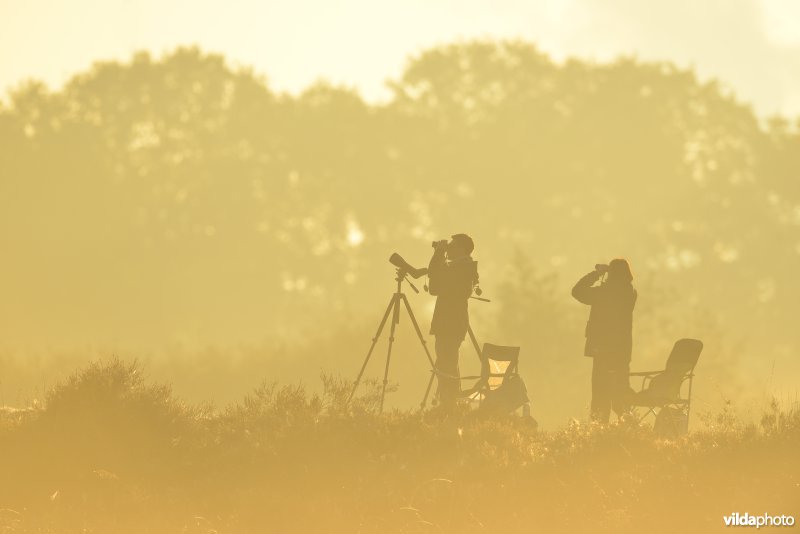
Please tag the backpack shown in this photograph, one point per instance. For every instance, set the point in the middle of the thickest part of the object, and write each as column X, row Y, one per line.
column 509, row 396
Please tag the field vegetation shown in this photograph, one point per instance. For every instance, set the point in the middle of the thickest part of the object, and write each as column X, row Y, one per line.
column 109, row 450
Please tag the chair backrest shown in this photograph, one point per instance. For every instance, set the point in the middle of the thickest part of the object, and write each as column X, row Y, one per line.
column 500, row 353
column 681, row 362
column 684, row 356
column 498, row 362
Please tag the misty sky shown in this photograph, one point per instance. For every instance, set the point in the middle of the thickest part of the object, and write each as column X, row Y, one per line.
column 752, row 45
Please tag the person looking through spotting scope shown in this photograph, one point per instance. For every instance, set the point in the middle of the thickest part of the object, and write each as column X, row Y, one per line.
column 609, row 335
column 452, row 275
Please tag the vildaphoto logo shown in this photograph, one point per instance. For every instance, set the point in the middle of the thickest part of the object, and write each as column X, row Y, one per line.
column 765, row 520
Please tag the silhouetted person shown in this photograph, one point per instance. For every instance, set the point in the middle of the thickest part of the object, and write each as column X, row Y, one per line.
column 452, row 275
column 608, row 335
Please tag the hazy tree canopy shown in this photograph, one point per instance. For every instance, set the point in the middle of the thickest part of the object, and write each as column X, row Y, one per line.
column 182, row 198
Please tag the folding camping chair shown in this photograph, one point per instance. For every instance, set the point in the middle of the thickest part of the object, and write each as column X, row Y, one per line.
column 499, row 388
column 660, row 391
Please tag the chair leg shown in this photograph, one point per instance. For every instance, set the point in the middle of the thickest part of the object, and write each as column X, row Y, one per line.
column 689, row 401
column 648, row 412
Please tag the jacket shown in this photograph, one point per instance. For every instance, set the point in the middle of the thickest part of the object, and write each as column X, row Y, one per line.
column 610, row 325
column 451, row 282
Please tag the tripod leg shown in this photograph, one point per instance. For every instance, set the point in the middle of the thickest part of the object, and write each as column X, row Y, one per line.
column 475, row 343
column 372, row 347
column 396, row 302
column 425, row 348
column 427, row 391
column 419, row 332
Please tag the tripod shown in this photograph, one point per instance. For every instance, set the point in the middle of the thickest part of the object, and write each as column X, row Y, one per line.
column 394, row 309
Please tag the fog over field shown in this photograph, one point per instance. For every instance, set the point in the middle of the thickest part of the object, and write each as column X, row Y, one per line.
column 198, row 207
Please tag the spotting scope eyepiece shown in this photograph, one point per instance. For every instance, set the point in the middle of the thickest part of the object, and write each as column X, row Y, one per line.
column 398, row 261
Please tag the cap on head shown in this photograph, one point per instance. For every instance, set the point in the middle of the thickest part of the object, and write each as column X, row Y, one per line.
column 464, row 241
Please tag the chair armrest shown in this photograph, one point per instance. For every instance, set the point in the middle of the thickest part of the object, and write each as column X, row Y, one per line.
column 486, row 377
column 646, row 373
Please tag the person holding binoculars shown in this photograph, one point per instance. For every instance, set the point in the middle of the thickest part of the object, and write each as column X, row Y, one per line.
column 609, row 335
column 452, row 275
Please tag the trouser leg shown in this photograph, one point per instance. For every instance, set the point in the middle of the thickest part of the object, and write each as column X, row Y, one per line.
column 621, row 390
column 610, row 387
column 447, row 365
column 601, row 391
